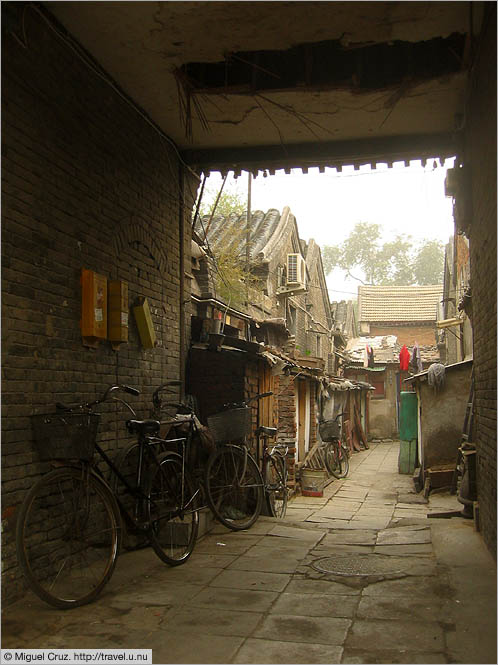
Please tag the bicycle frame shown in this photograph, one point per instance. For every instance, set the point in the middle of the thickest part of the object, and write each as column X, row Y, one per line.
column 137, row 491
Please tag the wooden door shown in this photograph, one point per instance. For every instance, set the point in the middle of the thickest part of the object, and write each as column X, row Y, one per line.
column 266, row 415
column 301, row 394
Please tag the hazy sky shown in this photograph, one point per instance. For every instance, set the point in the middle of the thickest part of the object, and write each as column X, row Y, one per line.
column 407, row 200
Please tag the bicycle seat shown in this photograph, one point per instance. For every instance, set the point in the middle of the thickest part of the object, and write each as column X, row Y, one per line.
column 266, row 431
column 143, row 426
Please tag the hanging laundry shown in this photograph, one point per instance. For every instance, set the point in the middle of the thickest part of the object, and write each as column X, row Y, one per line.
column 416, row 360
column 365, row 356
column 436, row 376
column 404, row 358
column 371, row 359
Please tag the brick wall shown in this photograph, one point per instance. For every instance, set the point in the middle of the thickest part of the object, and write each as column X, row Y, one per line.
column 87, row 182
column 424, row 335
column 286, row 405
column 480, row 162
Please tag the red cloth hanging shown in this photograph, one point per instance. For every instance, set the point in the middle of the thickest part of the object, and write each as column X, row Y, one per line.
column 404, row 358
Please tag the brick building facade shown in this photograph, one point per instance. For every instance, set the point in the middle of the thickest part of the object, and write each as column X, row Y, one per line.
column 88, row 185
column 292, row 319
column 479, row 163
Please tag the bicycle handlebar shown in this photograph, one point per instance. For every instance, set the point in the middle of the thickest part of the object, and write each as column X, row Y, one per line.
column 243, row 404
column 89, row 405
column 155, row 395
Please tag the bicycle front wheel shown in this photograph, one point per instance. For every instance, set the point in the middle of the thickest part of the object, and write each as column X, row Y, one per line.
column 68, row 537
column 172, row 510
column 234, row 487
column 275, row 476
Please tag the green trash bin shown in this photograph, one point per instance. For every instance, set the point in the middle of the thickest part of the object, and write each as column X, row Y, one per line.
column 408, row 416
column 407, row 456
column 408, row 432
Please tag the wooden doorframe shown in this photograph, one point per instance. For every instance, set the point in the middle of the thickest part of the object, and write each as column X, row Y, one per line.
column 302, row 393
column 266, row 383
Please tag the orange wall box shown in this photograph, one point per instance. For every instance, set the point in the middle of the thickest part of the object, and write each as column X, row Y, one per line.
column 117, row 318
column 93, row 307
column 144, row 323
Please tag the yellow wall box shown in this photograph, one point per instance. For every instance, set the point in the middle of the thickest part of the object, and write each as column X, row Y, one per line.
column 144, row 323
column 93, row 307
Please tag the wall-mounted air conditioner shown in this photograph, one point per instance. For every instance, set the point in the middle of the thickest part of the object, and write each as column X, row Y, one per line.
column 296, row 272
column 295, row 276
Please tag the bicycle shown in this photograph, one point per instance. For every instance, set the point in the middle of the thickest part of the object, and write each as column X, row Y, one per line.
column 275, row 473
column 336, row 453
column 234, row 485
column 69, row 527
column 227, row 480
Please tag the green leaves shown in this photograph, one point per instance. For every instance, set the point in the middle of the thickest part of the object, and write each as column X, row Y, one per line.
column 231, row 201
column 397, row 262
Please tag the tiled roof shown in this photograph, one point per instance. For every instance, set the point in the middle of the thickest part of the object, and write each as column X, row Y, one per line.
column 231, row 230
column 398, row 303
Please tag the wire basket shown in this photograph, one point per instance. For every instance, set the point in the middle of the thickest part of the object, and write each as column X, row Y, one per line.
column 329, row 429
column 230, row 425
column 65, row 435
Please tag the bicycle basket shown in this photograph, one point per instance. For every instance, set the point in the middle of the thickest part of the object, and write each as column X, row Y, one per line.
column 329, row 429
column 230, row 425
column 65, row 435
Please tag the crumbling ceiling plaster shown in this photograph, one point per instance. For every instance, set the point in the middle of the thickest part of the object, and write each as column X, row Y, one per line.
column 141, row 44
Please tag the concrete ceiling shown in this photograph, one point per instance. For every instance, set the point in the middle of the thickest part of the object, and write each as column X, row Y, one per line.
column 141, row 44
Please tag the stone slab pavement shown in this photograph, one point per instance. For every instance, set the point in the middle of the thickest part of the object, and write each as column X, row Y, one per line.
column 360, row 575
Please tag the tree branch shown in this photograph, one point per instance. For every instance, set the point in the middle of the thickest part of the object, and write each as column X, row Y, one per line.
column 358, row 279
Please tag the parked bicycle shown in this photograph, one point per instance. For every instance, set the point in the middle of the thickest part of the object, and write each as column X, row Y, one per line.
column 336, row 453
column 275, row 473
column 69, row 525
column 225, row 476
column 234, row 484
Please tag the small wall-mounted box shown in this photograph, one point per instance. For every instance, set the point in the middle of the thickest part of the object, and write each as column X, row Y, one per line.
column 117, row 318
column 144, row 323
column 93, row 307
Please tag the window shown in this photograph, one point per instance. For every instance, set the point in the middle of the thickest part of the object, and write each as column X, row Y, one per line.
column 380, row 389
column 291, row 320
column 318, row 346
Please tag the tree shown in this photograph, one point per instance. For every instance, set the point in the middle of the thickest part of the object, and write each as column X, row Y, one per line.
column 231, row 201
column 234, row 281
column 397, row 262
column 428, row 265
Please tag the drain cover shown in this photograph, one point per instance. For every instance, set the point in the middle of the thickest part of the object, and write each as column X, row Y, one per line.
column 356, row 566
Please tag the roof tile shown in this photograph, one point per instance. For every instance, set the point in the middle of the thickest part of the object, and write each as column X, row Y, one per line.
column 399, row 303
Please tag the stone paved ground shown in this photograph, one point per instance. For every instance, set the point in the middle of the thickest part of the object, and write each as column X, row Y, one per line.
column 291, row 592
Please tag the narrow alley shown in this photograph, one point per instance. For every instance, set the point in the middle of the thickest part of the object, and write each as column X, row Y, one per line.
column 358, row 576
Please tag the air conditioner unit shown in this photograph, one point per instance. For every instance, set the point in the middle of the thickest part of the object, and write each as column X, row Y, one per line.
column 296, row 272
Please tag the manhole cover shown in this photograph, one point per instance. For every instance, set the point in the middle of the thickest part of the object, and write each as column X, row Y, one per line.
column 356, row 566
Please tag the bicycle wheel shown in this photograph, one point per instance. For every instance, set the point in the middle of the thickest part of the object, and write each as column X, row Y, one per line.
column 336, row 459
column 172, row 510
column 68, row 536
column 234, row 487
column 275, row 476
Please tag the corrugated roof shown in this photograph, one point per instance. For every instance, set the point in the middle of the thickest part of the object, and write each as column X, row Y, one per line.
column 399, row 303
